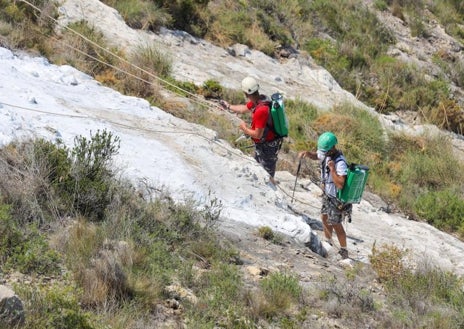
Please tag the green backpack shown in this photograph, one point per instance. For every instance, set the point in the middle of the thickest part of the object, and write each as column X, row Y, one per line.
column 277, row 120
column 355, row 183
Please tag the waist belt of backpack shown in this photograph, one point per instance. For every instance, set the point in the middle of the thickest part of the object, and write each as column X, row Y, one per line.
column 338, row 204
column 276, row 141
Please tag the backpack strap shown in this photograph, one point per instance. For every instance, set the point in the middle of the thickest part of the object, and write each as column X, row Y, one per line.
column 337, row 158
column 269, row 123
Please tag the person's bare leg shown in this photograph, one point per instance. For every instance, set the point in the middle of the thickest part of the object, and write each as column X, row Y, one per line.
column 328, row 228
column 341, row 234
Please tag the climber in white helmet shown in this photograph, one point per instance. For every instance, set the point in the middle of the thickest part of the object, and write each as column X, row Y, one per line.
column 267, row 143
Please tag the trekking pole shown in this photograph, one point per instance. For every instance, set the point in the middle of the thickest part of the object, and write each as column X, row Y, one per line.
column 297, row 172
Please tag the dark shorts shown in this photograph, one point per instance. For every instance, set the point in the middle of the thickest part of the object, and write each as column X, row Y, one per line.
column 335, row 210
column 266, row 154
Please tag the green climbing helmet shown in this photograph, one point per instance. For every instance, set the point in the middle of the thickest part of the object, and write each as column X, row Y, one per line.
column 326, row 141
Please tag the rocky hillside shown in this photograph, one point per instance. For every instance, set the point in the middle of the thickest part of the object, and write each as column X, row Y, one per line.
column 195, row 60
column 298, row 77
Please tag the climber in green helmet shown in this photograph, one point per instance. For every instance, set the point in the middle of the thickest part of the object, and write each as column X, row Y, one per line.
column 333, row 175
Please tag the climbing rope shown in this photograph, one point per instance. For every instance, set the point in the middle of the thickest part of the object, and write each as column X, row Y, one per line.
column 195, row 98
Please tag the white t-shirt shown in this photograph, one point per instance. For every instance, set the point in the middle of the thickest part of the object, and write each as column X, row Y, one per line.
column 341, row 169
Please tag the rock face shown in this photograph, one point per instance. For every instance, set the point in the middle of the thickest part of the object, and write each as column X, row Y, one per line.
column 297, row 76
column 197, row 61
column 11, row 308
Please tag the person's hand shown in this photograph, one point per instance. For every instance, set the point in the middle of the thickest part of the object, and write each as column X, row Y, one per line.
column 225, row 105
column 303, row 154
column 331, row 165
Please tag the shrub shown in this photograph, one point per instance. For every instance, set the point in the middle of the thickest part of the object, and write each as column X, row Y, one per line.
column 404, row 87
column 25, row 249
column 141, row 14
column 219, row 291
column 142, row 74
column 29, row 169
column 187, row 15
column 229, row 24
column 426, row 297
column 55, row 306
column 347, row 296
column 30, row 27
column 419, row 165
column 281, row 291
column 211, row 89
column 426, row 162
column 153, row 60
column 443, row 209
column 381, row 5
column 327, row 54
column 89, row 185
column 266, row 233
column 91, row 56
column 446, row 115
column 388, row 262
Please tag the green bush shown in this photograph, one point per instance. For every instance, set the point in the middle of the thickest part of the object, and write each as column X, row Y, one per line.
column 281, row 290
column 148, row 67
column 56, row 306
column 427, row 162
column 211, row 89
column 187, row 15
column 381, row 5
column 404, row 87
column 417, row 166
column 328, row 54
column 450, row 14
column 182, row 88
column 443, row 209
column 25, row 248
column 266, row 233
column 141, row 14
column 89, row 184
column 30, row 28
column 219, row 298
column 153, row 60
column 20, row 11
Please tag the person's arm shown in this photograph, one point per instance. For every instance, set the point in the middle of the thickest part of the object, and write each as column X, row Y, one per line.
column 253, row 133
column 308, row 154
column 338, row 180
column 239, row 108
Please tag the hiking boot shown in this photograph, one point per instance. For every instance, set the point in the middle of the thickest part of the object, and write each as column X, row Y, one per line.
column 343, row 252
column 273, row 181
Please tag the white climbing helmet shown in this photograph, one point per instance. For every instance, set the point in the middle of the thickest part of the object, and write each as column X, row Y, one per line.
column 249, row 85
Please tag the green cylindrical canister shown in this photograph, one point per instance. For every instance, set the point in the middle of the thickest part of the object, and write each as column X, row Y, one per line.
column 354, row 184
column 278, row 115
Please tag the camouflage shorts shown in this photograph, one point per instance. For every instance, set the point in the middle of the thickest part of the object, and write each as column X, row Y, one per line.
column 335, row 210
